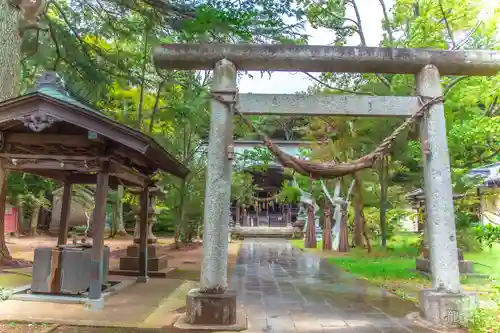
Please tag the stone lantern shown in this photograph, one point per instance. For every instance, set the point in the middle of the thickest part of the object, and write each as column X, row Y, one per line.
column 156, row 262
column 417, row 200
column 152, row 213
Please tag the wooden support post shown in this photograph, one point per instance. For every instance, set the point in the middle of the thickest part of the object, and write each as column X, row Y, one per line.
column 95, row 301
column 65, row 208
column 143, row 236
column 238, row 210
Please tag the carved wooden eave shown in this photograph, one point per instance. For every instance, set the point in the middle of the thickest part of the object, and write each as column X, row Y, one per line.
column 62, row 140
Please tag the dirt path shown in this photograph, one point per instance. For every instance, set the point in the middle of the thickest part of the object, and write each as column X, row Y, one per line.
column 47, row 328
column 22, row 247
column 22, row 250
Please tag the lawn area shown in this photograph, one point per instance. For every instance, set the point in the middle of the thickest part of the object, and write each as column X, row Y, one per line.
column 488, row 261
column 10, row 280
column 393, row 269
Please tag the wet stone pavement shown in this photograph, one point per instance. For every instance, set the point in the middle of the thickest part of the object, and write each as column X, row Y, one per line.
column 283, row 289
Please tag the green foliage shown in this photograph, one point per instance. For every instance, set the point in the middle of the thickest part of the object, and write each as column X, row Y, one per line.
column 257, row 159
column 242, row 188
column 289, row 194
column 379, row 268
column 487, row 320
column 394, row 218
column 488, row 234
column 103, row 50
column 468, row 240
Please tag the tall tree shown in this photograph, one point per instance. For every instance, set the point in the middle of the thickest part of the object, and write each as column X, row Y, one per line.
column 471, row 103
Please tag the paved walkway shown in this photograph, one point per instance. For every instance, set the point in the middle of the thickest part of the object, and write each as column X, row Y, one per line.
column 283, row 289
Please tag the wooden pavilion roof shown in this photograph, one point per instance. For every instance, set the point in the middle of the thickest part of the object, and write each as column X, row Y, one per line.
column 268, row 178
column 49, row 133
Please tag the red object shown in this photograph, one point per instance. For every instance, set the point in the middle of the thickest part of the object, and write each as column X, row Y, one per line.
column 10, row 219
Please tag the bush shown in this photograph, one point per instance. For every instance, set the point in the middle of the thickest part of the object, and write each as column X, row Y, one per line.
column 393, row 218
column 465, row 222
column 468, row 241
column 487, row 234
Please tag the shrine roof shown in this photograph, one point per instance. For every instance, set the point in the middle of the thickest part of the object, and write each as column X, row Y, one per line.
column 50, row 102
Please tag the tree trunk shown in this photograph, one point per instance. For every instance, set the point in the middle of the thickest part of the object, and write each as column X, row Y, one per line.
column 120, row 224
column 359, row 203
column 4, row 251
column 358, row 223
column 344, row 234
column 10, row 51
column 383, row 201
column 179, row 227
column 327, row 227
column 34, row 220
column 10, row 70
column 20, row 217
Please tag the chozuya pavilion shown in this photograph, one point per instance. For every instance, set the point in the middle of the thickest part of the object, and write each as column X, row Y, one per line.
column 266, row 215
column 47, row 132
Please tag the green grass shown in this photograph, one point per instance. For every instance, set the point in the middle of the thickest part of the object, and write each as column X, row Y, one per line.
column 487, row 261
column 299, row 243
column 10, row 280
column 378, row 268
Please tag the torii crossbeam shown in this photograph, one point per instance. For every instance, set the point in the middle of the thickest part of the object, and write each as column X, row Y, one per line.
column 316, row 58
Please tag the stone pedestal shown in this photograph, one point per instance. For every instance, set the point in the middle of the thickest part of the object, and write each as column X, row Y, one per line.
column 464, row 266
column 65, row 270
column 424, row 265
column 156, row 262
column 446, row 309
column 211, row 309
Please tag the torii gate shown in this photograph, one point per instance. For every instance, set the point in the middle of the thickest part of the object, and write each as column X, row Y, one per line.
column 445, row 303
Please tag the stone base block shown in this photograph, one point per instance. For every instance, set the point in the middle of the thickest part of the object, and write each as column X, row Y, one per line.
column 154, row 264
column 464, row 266
column 424, row 250
column 133, row 251
column 240, row 325
column 94, row 304
column 142, row 279
column 211, row 309
column 446, row 310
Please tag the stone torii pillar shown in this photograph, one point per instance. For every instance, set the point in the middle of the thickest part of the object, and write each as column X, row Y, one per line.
column 445, row 302
column 212, row 303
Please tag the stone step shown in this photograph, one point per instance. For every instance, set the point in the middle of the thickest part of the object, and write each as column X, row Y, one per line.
column 160, row 274
column 464, row 266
